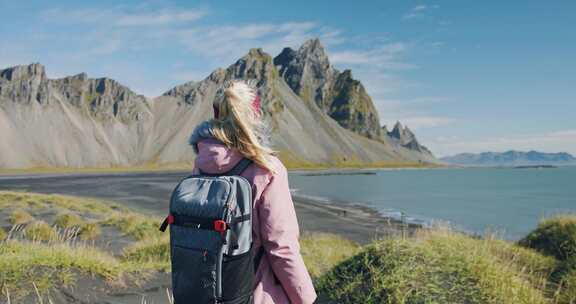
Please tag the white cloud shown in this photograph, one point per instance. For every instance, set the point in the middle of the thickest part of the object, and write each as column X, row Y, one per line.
column 419, row 8
column 227, row 43
column 419, row 11
column 146, row 28
column 387, row 56
column 161, row 18
column 556, row 141
column 120, row 17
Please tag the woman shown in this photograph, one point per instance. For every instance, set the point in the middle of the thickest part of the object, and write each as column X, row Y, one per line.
column 236, row 132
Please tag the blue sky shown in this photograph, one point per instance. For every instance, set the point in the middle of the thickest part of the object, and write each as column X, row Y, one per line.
column 466, row 76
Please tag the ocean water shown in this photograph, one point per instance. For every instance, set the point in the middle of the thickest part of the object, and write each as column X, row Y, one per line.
column 507, row 201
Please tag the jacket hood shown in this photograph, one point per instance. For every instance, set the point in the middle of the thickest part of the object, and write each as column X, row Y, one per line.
column 212, row 156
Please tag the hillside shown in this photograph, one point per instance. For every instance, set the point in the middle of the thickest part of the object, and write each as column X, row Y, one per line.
column 78, row 121
column 510, row 158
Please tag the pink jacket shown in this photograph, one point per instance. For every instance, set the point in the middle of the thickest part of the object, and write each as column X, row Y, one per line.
column 275, row 226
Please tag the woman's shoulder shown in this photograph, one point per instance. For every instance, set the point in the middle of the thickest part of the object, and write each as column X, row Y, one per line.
column 277, row 166
column 277, row 170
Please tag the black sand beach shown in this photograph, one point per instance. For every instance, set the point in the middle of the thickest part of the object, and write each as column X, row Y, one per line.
column 149, row 193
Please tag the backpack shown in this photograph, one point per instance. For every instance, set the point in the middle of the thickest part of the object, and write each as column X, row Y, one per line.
column 211, row 238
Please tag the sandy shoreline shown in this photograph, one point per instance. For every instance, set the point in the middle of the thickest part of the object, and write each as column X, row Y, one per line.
column 149, row 191
column 359, row 223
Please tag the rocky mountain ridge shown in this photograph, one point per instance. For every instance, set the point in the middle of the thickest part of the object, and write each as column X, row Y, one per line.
column 510, row 158
column 310, row 75
column 78, row 121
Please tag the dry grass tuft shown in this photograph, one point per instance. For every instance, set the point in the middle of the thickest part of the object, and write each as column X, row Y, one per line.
column 19, row 217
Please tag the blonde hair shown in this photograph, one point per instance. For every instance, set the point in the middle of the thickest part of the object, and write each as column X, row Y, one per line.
column 239, row 124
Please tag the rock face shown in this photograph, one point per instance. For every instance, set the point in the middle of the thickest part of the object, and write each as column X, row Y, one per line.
column 311, row 76
column 510, row 158
column 406, row 138
column 82, row 122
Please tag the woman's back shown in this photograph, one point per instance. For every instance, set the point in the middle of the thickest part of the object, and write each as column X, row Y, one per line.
column 281, row 276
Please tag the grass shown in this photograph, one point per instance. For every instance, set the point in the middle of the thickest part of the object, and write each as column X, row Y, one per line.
column 136, row 225
column 48, row 257
column 86, row 230
column 434, row 266
column 51, row 264
column 89, row 231
column 439, row 267
column 40, row 231
column 153, row 253
column 68, row 220
column 554, row 236
column 3, row 234
column 19, row 217
column 291, row 162
column 567, row 291
column 322, row 251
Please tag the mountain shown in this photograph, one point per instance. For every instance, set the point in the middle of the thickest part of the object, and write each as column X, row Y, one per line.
column 510, row 158
column 405, row 137
column 311, row 76
column 78, row 121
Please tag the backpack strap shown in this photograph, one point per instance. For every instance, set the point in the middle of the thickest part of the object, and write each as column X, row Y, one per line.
column 258, row 258
column 236, row 170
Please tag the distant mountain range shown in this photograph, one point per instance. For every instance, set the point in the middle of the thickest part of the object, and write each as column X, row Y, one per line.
column 510, row 158
column 318, row 115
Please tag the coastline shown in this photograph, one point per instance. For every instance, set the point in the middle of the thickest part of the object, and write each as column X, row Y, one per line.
column 149, row 191
column 365, row 224
column 187, row 166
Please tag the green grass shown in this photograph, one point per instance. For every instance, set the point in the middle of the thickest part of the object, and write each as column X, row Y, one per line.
column 440, row 267
column 50, row 264
column 555, row 236
column 322, row 251
column 152, row 253
column 436, row 266
column 567, row 289
column 294, row 162
column 136, row 225
column 40, row 231
column 290, row 161
column 89, row 231
column 68, row 220
column 3, row 234
column 50, row 257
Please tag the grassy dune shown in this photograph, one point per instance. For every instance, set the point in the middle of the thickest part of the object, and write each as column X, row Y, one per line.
column 48, row 242
column 51, row 240
column 442, row 266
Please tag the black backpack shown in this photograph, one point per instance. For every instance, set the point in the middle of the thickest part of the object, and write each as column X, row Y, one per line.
column 211, row 238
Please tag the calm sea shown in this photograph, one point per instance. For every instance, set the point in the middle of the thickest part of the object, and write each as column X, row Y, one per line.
column 507, row 201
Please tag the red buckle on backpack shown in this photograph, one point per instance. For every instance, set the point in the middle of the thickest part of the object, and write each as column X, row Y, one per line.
column 220, row 226
column 170, row 219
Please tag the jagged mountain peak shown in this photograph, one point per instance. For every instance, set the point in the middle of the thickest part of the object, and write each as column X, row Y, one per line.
column 96, row 122
column 310, row 75
column 398, row 126
column 312, row 44
column 313, row 51
column 405, row 137
column 23, row 72
column 402, row 133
